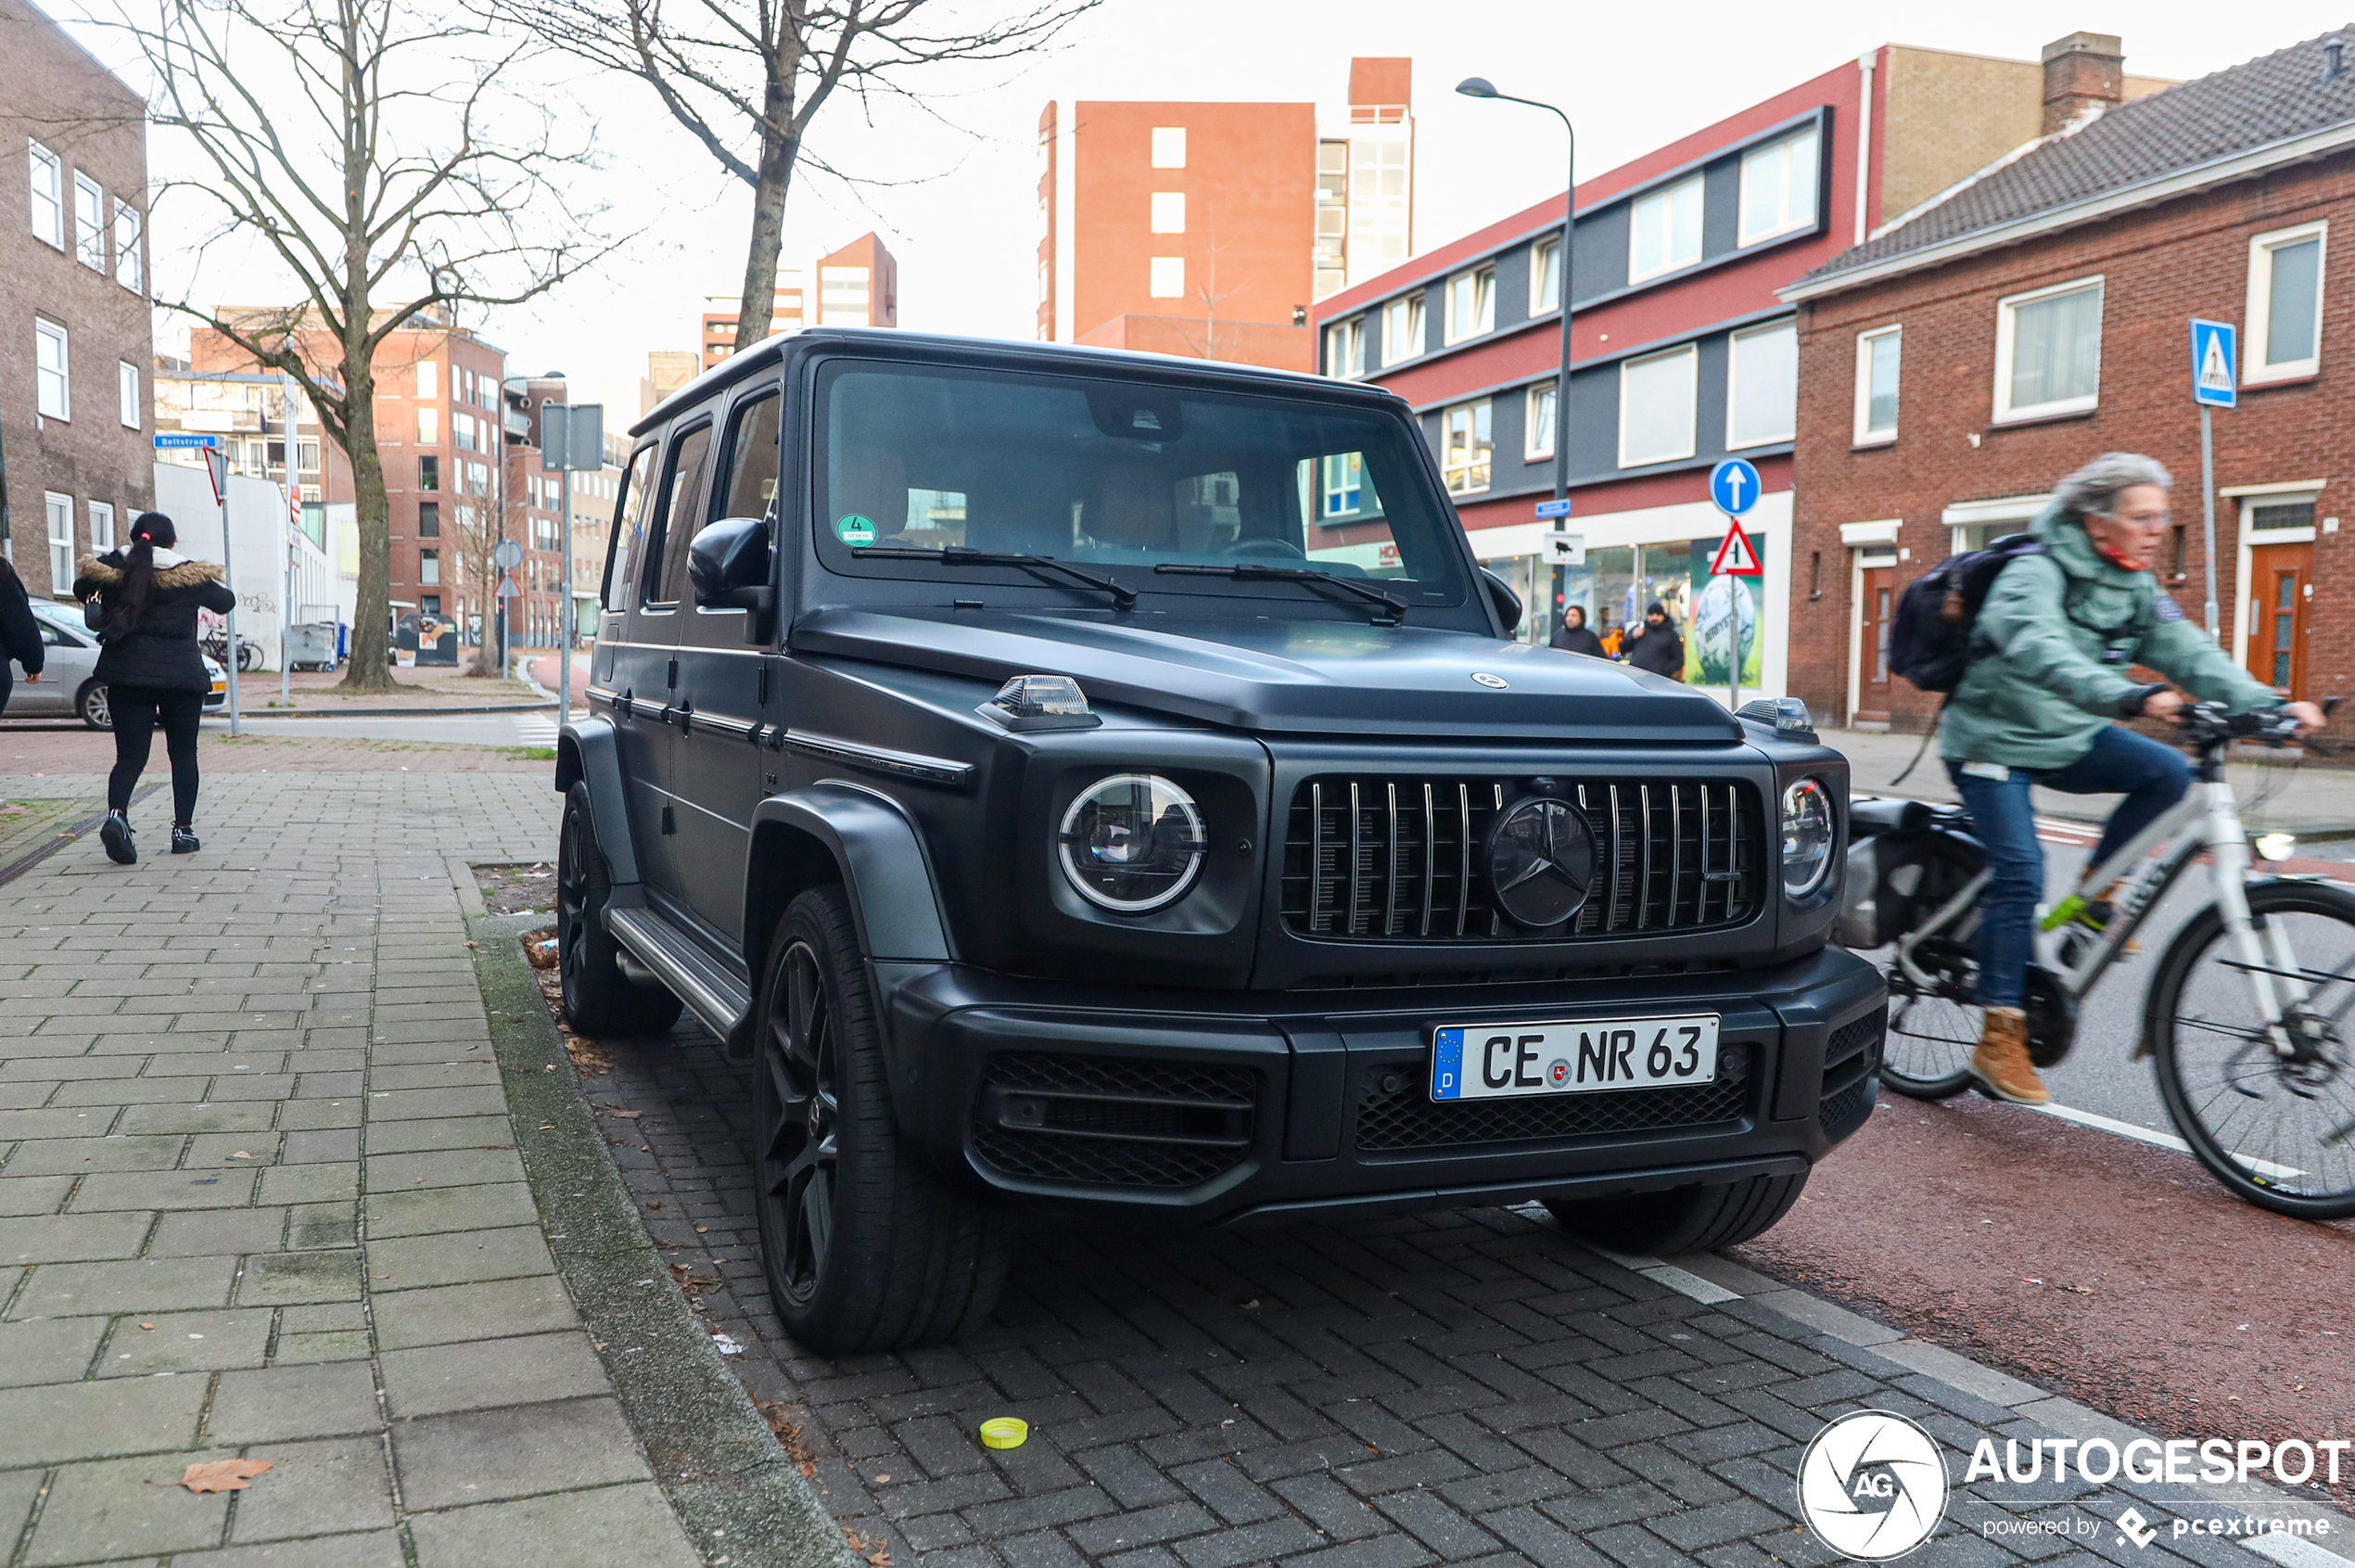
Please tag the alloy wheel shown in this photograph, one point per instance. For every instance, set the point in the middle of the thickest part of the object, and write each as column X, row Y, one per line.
column 797, row 1163
column 572, row 907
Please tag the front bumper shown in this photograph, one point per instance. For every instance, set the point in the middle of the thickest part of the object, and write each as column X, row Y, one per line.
column 1254, row 1107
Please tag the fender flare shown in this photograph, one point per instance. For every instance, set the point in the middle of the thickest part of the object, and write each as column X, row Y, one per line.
column 881, row 859
column 587, row 753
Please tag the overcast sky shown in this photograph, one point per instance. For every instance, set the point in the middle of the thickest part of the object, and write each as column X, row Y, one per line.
column 1632, row 75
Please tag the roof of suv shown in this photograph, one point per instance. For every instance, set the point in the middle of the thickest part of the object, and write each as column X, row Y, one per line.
column 1003, row 351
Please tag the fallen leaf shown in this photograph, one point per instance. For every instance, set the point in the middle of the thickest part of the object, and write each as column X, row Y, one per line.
column 222, row 1475
column 146, row 1325
column 547, row 1127
column 241, row 1154
column 474, row 944
column 653, row 1202
column 616, row 1111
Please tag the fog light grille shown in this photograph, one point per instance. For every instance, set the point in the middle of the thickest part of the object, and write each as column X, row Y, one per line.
column 1406, row 1117
column 1113, row 1121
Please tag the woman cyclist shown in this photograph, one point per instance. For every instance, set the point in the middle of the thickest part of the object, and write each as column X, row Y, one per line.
column 2052, row 646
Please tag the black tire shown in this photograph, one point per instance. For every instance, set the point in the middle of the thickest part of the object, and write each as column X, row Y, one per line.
column 1933, row 1031
column 2271, row 1132
column 599, row 1000
column 1697, row 1219
column 90, row 705
column 865, row 1249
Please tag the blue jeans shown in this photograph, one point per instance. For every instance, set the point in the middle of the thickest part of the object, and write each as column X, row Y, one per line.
column 2152, row 777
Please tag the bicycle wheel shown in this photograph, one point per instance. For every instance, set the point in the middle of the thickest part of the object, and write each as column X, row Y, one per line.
column 1933, row 1028
column 2276, row 1129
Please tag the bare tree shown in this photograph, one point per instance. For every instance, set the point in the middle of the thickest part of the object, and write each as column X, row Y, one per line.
column 747, row 78
column 474, row 526
column 1206, row 344
column 375, row 154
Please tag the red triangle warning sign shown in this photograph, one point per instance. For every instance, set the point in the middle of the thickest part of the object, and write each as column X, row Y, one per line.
column 1738, row 556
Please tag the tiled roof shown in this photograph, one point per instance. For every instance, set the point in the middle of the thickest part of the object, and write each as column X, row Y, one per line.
column 2274, row 98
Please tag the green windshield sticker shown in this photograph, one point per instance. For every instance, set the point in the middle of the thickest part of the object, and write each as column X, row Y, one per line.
column 855, row 529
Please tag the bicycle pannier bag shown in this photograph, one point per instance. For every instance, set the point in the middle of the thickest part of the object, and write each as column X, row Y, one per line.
column 1929, row 641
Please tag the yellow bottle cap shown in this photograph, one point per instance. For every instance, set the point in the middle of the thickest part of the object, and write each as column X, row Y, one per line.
column 1005, row 1432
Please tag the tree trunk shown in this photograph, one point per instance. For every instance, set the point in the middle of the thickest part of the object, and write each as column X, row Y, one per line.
column 757, row 309
column 370, row 668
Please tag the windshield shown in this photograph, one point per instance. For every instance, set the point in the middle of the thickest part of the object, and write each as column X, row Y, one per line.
column 1121, row 478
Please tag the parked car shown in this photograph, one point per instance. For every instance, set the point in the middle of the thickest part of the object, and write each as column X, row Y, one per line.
column 1107, row 785
column 69, row 684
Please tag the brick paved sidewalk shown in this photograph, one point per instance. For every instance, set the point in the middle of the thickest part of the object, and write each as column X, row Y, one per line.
column 259, row 1197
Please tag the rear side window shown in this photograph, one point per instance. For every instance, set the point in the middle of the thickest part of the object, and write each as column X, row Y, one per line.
column 679, row 508
column 751, row 484
column 629, row 532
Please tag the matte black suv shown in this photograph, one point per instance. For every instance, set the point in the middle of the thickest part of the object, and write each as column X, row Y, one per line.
column 1104, row 783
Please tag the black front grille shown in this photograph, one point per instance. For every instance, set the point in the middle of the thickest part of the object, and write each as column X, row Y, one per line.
column 1850, row 1058
column 1845, row 1112
column 1113, row 1121
column 1400, row 859
column 1406, row 1117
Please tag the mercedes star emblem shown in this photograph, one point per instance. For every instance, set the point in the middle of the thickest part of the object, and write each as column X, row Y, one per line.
column 1493, row 682
column 1541, row 860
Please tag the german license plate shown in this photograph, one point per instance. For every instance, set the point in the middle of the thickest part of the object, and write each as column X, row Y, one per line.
column 1503, row 1060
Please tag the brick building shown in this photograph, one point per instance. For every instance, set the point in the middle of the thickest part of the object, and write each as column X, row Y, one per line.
column 857, row 286
column 76, row 458
column 1957, row 366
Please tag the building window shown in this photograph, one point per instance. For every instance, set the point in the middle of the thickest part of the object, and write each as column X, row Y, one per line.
column 1169, row 146
column 60, row 511
column 1402, row 329
column 1762, row 385
column 53, row 382
column 1169, row 212
column 1168, row 277
column 1344, row 484
column 477, row 478
column 429, row 378
column 429, row 426
column 1657, row 398
column 430, row 474
column 1346, row 348
column 1778, row 188
column 90, row 223
column 844, row 295
column 428, row 519
column 2048, row 351
column 1877, row 359
column 307, row 454
column 101, row 526
column 1465, row 458
column 429, row 604
column 127, row 394
column 2281, row 512
column 1471, row 304
column 1537, row 423
column 1544, row 277
column 127, row 268
column 430, row 568
column 462, row 429
column 48, row 195
column 2286, row 303
column 1664, row 231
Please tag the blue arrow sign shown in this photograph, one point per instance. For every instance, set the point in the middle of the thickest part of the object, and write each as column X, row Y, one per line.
column 2213, row 357
column 169, row 439
column 1733, row 485
column 1553, row 509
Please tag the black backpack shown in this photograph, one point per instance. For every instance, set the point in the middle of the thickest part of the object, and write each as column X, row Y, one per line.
column 1929, row 641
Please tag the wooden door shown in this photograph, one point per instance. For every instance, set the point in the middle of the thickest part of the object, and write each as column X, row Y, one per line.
column 1878, row 609
column 2279, row 576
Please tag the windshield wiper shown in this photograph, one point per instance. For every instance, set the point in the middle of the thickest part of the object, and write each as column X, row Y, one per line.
column 1123, row 596
column 1253, row 571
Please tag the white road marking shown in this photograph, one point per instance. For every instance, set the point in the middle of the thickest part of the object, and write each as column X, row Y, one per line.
column 535, row 729
column 2155, row 1139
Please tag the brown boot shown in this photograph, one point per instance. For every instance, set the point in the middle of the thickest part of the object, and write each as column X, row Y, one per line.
column 2001, row 1062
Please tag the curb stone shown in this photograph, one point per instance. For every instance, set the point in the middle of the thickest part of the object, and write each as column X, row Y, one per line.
column 719, row 1464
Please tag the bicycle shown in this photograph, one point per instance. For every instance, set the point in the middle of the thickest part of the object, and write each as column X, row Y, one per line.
column 2247, row 1023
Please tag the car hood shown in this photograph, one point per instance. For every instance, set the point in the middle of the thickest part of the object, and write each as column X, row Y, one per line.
column 1290, row 676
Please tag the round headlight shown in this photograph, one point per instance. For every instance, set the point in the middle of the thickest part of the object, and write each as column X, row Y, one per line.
column 1807, row 838
column 1132, row 842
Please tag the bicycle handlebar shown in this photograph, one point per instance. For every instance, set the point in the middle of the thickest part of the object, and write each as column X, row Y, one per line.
column 2208, row 724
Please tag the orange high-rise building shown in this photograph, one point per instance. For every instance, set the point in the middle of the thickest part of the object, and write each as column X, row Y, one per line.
column 857, row 286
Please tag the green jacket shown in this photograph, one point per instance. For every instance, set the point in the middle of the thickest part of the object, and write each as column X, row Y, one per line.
column 2038, row 690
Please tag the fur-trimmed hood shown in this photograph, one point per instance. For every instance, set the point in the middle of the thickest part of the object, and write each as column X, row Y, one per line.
column 107, row 570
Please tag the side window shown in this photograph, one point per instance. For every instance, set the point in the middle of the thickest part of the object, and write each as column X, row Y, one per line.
column 752, row 459
column 679, row 511
column 629, row 521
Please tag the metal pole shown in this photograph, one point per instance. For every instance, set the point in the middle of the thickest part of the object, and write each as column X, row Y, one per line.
column 294, row 501
column 236, row 721
column 564, row 605
column 2208, row 511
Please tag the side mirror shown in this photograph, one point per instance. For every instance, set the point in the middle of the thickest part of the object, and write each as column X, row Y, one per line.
column 729, row 555
column 1501, row 595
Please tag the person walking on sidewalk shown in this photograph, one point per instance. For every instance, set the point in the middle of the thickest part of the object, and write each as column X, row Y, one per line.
column 2050, row 651
column 19, row 634
column 1574, row 636
column 1656, row 646
column 142, row 602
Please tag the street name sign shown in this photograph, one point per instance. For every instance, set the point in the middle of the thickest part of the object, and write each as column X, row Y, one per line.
column 2213, row 357
column 1553, row 509
column 176, row 441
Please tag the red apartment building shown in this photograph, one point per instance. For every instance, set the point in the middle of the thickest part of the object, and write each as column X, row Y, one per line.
column 857, row 286
column 1683, row 353
column 1956, row 366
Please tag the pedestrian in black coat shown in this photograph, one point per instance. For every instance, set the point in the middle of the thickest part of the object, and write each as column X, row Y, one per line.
column 19, row 634
column 1574, row 636
column 1656, row 646
column 142, row 602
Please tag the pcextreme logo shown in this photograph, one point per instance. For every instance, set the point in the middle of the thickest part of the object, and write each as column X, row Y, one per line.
column 1873, row 1485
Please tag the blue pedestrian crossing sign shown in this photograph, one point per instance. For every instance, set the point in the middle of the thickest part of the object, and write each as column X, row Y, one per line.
column 2212, row 360
column 1733, row 485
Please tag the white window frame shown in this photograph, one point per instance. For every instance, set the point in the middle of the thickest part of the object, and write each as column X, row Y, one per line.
column 1866, row 342
column 1459, row 477
column 1690, row 352
column 101, row 526
column 59, row 512
column 90, row 223
column 429, row 426
column 1345, row 349
column 2007, row 311
column 62, row 406
column 1472, row 293
column 129, row 268
column 1665, row 200
column 429, row 378
column 1165, row 277
column 1169, row 212
column 1789, row 218
column 1169, row 146
column 1734, row 379
column 133, row 409
column 46, row 173
column 1537, row 425
column 429, row 568
column 1542, row 300
column 2256, row 369
column 1403, row 329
